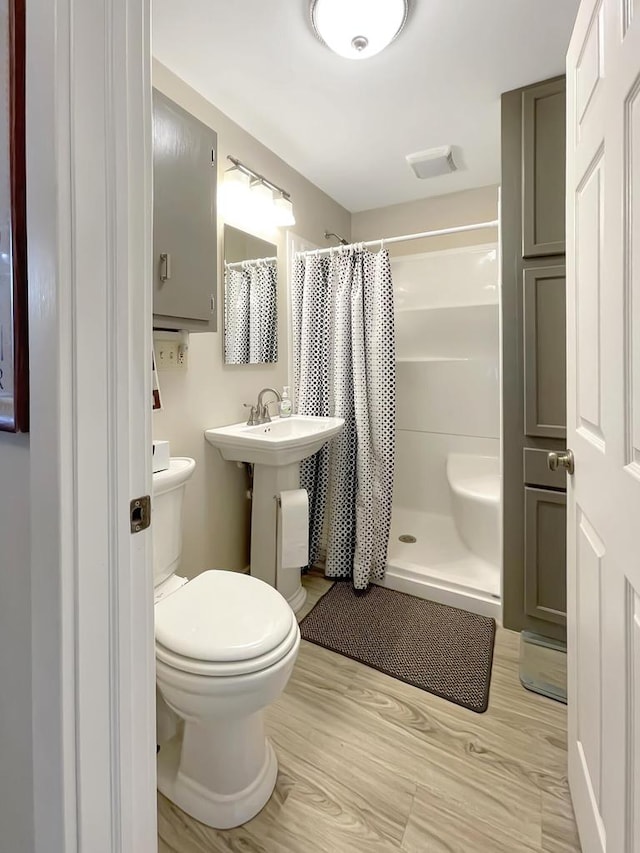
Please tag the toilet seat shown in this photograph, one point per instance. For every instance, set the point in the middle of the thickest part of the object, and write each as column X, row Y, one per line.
column 224, row 624
column 229, row 668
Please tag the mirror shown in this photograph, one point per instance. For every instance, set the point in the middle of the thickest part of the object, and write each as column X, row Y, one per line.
column 250, row 298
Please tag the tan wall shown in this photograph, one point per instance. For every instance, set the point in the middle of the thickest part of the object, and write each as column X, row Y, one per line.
column 445, row 211
column 209, row 393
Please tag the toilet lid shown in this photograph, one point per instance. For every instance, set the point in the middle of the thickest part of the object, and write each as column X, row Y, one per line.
column 223, row 616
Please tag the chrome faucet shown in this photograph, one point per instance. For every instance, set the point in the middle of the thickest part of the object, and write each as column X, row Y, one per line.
column 259, row 414
column 262, row 409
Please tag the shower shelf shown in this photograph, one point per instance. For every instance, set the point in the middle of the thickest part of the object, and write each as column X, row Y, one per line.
column 421, row 358
column 416, row 308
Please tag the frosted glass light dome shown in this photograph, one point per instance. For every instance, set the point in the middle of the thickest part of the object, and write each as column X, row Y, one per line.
column 358, row 29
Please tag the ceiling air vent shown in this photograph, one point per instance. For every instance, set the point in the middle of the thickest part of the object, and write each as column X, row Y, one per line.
column 433, row 162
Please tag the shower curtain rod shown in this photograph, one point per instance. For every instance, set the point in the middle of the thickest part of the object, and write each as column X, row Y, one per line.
column 384, row 241
column 249, row 261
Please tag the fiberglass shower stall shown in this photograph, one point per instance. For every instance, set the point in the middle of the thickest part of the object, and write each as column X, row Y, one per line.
column 445, row 534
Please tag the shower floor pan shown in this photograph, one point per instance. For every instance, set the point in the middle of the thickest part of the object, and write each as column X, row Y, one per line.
column 438, row 566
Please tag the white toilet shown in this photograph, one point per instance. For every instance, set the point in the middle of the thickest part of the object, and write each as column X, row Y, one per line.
column 226, row 644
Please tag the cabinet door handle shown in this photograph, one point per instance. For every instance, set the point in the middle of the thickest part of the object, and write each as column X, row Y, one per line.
column 165, row 266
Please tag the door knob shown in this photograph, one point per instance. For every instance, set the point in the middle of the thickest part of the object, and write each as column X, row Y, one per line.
column 561, row 460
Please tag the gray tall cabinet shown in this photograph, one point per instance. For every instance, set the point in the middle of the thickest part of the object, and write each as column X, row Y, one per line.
column 533, row 349
column 184, row 219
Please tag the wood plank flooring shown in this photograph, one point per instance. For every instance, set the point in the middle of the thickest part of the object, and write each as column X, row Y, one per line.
column 368, row 763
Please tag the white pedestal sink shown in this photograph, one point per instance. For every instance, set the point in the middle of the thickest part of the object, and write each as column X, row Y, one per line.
column 276, row 450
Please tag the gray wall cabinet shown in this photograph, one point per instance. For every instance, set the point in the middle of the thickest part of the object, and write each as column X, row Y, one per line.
column 543, row 171
column 545, row 405
column 533, row 331
column 545, row 545
column 184, row 219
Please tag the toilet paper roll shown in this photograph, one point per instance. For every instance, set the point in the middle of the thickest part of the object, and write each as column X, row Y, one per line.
column 293, row 529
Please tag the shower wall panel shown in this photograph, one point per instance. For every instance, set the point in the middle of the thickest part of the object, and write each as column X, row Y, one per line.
column 421, row 462
column 447, row 344
column 451, row 396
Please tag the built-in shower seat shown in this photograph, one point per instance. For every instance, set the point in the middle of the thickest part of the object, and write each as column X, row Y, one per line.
column 475, row 492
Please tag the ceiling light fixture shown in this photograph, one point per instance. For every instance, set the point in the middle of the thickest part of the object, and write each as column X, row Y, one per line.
column 358, row 29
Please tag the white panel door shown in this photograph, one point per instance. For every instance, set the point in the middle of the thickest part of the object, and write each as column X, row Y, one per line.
column 89, row 206
column 603, row 410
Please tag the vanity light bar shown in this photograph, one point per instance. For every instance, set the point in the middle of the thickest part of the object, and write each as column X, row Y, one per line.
column 258, row 177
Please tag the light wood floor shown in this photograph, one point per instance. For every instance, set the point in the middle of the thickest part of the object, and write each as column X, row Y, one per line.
column 368, row 763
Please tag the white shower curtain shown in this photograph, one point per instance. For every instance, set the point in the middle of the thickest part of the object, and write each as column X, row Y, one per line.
column 250, row 317
column 344, row 363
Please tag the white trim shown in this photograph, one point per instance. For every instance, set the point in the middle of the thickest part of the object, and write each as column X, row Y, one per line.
column 501, row 404
column 89, row 209
column 132, row 346
column 52, row 584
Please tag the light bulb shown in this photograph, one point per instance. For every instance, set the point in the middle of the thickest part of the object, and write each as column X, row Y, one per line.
column 284, row 217
column 234, row 194
column 262, row 204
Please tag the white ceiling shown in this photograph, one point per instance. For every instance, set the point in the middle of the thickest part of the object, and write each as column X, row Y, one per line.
column 347, row 125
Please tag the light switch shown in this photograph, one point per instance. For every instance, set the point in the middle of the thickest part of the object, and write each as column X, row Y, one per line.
column 170, row 355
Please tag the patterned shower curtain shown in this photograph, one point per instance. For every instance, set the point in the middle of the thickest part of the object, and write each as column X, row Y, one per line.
column 344, row 365
column 251, row 313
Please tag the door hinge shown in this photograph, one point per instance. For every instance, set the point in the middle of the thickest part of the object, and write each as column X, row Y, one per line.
column 140, row 513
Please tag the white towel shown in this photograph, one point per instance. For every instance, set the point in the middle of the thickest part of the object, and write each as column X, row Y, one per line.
column 293, row 529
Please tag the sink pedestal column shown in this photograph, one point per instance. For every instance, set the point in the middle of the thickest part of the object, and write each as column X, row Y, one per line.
column 268, row 482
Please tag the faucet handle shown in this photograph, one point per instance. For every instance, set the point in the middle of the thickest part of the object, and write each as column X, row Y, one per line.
column 252, row 414
column 263, row 416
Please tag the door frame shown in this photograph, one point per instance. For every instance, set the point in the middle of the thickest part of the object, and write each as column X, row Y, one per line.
column 89, row 262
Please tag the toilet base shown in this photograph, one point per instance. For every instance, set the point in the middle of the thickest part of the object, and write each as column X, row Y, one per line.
column 220, row 811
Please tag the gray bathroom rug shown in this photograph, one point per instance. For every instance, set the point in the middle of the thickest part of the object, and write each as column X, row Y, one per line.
column 440, row 649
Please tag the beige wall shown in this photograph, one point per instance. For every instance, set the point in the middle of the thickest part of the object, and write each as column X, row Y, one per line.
column 210, row 393
column 445, row 211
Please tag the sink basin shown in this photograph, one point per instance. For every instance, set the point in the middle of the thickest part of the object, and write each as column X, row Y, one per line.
column 284, row 441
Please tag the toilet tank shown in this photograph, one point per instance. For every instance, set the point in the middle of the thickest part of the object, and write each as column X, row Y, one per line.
column 166, row 516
